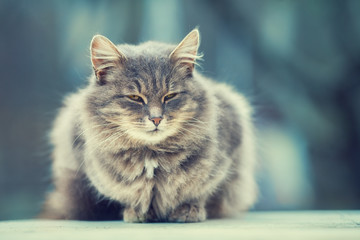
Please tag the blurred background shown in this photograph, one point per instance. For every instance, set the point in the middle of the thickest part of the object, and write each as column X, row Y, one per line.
column 297, row 61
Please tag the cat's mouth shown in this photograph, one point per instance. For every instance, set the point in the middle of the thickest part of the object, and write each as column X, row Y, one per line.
column 155, row 130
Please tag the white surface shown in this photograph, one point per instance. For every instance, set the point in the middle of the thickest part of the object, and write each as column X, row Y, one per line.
column 304, row 225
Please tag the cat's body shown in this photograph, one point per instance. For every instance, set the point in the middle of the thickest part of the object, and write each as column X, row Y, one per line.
column 150, row 139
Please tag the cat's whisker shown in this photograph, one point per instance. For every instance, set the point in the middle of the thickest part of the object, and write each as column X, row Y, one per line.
column 198, row 121
column 104, row 145
column 79, row 167
column 196, row 135
column 191, row 132
column 195, row 125
column 102, row 134
column 86, row 130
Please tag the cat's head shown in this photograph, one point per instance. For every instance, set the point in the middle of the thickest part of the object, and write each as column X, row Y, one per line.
column 146, row 92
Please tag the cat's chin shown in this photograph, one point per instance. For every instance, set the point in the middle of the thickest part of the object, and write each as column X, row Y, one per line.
column 151, row 137
column 156, row 135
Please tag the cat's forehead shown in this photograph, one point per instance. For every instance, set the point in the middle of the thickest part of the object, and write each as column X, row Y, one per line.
column 149, row 49
column 148, row 67
column 151, row 77
column 150, row 58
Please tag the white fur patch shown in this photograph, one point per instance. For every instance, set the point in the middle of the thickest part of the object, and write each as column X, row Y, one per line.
column 150, row 165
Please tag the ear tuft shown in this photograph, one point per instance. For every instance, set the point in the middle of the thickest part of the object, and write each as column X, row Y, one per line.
column 186, row 52
column 104, row 55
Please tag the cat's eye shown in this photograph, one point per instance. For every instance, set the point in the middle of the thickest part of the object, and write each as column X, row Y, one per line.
column 169, row 96
column 135, row 98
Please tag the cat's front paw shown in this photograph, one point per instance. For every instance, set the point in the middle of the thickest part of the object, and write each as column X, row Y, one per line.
column 131, row 216
column 188, row 213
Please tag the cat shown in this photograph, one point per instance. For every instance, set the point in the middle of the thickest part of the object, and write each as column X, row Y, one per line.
column 150, row 139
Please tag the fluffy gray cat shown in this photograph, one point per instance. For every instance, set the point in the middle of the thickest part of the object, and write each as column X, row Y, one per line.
column 150, row 139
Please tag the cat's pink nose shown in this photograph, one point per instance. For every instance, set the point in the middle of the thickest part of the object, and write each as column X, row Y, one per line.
column 156, row 120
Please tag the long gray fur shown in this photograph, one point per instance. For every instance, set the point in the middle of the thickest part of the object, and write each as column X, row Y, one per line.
column 112, row 162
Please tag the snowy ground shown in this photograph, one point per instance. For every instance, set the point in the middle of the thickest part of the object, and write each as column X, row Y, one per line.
column 304, row 225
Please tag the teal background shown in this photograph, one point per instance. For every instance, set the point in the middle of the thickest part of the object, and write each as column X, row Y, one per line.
column 297, row 61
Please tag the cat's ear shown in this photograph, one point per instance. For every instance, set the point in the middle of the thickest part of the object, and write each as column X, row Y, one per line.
column 186, row 53
column 104, row 56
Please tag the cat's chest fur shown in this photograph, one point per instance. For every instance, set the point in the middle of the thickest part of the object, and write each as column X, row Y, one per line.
column 131, row 166
column 134, row 163
column 139, row 177
column 149, row 167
